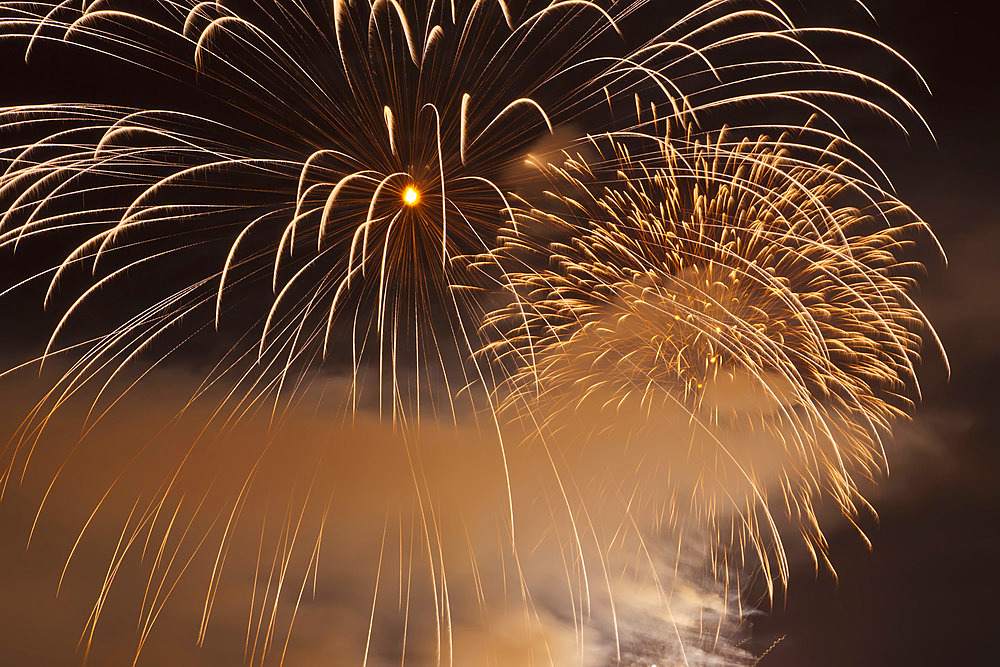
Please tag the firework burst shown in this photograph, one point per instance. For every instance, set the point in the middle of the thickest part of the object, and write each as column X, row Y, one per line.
column 737, row 311
column 357, row 154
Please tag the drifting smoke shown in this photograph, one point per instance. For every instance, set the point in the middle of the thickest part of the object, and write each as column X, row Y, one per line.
column 375, row 541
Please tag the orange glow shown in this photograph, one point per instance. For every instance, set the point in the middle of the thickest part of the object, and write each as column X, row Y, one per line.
column 411, row 196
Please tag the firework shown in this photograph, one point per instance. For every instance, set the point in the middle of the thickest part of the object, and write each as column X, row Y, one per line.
column 736, row 311
column 355, row 155
column 355, row 183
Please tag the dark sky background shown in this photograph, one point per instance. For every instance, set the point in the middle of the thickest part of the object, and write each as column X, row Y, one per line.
column 926, row 594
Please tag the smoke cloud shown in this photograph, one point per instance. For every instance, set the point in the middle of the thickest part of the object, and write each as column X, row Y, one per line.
column 336, row 540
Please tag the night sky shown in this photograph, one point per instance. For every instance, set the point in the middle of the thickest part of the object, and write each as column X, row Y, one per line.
column 926, row 593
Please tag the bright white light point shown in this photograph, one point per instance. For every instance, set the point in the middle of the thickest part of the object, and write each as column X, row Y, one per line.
column 411, row 196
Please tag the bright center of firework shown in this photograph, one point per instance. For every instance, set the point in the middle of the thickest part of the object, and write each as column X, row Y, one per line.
column 411, row 196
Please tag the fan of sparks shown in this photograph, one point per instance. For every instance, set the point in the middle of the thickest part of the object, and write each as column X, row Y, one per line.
column 737, row 310
column 357, row 154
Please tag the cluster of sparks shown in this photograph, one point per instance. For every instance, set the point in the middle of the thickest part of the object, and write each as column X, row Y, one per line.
column 728, row 286
column 381, row 175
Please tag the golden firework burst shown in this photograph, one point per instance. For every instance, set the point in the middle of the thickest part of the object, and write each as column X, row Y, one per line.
column 738, row 313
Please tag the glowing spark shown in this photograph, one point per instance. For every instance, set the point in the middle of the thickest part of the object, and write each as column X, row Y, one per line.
column 411, row 196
